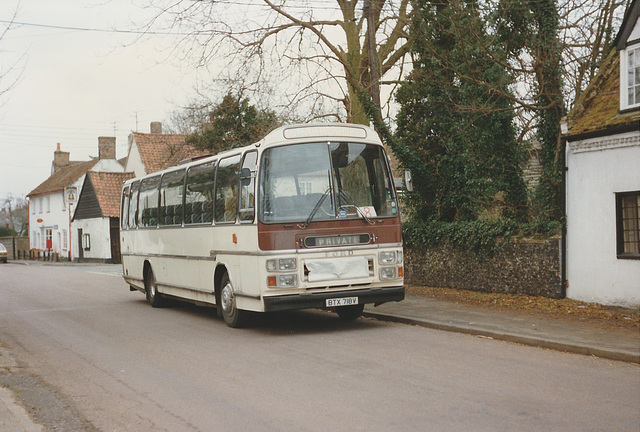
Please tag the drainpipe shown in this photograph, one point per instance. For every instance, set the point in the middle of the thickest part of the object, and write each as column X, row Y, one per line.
column 563, row 240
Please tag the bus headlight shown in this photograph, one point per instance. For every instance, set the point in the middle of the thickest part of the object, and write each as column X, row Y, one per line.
column 387, row 257
column 282, row 281
column 287, row 264
column 388, row 273
column 282, row 264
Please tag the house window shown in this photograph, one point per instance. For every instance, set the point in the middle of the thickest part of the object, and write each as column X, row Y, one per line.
column 86, row 242
column 633, row 77
column 65, row 240
column 628, row 224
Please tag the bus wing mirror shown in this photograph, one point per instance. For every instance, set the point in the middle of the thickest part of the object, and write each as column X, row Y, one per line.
column 408, row 181
column 245, row 176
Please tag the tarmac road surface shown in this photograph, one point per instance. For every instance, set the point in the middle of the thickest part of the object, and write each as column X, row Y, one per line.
column 116, row 363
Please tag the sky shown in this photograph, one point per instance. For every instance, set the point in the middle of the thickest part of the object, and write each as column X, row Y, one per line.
column 78, row 79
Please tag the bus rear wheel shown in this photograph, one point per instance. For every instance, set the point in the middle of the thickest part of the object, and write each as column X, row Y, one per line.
column 154, row 298
column 233, row 316
column 350, row 312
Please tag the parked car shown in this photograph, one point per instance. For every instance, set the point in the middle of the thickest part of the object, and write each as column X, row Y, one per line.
column 3, row 253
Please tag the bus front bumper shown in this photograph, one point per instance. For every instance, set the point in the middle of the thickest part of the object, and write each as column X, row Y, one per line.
column 319, row 299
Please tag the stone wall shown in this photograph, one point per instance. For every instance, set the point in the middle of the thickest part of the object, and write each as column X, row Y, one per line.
column 527, row 266
column 21, row 245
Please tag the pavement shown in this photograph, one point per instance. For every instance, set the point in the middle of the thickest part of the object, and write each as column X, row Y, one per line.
column 513, row 326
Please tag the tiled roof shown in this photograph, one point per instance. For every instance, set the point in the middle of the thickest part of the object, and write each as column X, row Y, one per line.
column 160, row 151
column 597, row 108
column 65, row 176
column 107, row 187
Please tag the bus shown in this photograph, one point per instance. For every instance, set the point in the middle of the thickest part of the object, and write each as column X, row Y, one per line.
column 307, row 217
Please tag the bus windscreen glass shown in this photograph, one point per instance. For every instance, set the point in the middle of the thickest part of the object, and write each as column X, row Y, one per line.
column 325, row 181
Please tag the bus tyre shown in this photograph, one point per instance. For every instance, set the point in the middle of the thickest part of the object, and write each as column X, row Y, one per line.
column 154, row 298
column 234, row 317
column 350, row 312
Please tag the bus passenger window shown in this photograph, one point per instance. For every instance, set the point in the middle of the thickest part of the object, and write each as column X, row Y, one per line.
column 247, row 187
column 198, row 199
column 148, row 202
column 133, row 204
column 170, row 211
column 124, row 208
column 226, row 206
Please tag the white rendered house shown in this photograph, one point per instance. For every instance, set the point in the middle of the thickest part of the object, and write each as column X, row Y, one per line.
column 603, row 178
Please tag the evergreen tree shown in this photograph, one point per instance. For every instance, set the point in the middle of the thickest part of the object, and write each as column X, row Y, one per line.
column 234, row 122
column 457, row 118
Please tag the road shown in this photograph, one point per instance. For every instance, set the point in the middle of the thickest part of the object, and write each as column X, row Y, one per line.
column 119, row 365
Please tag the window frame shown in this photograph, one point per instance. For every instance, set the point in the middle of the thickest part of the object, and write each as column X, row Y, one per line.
column 621, row 229
column 625, row 85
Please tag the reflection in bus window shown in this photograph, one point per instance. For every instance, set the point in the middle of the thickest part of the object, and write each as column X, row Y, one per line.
column 247, row 188
column 358, row 165
column 198, row 207
column 294, row 180
column 325, row 181
column 170, row 212
column 227, row 190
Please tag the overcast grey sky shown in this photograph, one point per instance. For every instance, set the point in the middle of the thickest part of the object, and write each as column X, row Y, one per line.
column 75, row 85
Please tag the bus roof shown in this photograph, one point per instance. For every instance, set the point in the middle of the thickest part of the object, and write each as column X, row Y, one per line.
column 303, row 132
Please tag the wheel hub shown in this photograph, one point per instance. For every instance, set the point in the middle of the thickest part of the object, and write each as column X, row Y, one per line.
column 227, row 298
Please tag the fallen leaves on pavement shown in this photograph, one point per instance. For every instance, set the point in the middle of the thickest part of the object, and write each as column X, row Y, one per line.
column 600, row 315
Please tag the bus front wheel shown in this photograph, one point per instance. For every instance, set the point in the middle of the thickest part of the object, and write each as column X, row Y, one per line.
column 154, row 298
column 233, row 316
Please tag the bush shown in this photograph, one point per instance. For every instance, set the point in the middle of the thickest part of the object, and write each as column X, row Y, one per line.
column 480, row 236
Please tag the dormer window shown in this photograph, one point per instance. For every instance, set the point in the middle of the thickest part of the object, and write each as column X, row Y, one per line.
column 633, row 77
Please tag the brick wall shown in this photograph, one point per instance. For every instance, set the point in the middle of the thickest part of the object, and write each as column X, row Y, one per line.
column 528, row 266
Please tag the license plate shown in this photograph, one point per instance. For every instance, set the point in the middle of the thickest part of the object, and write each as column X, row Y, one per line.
column 345, row 301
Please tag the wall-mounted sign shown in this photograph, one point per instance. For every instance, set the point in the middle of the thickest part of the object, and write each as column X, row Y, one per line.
column 39, row 220
column 71, row 194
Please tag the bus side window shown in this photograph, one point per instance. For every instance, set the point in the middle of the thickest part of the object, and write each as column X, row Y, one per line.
column 133, row 204
column 198, row 201
column 171, row 191
column 227, row 178
column 247, row 187
column 124, row 209
column 148, row 202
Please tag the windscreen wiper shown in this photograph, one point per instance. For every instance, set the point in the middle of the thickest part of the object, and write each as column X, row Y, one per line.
column 315, row 209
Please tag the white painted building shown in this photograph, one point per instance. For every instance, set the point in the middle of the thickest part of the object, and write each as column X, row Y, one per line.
column 51, row 210
column 603, row 178
column 96, row 219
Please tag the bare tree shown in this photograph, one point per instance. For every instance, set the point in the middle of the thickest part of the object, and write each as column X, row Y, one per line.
column 16, row 210
column 587, row 30
column 311, row 52
column 9, row 75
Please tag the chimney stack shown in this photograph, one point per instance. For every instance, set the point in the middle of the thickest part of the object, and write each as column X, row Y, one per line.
column 156, row 127
column 60, row 159
column 106, row 148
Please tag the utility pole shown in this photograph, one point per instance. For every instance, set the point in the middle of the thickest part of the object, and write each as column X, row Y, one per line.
column 369, row 13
